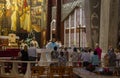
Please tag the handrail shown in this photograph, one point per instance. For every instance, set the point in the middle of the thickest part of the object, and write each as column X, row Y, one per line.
column 18, row 61
column 28, row 71
column 14, row 70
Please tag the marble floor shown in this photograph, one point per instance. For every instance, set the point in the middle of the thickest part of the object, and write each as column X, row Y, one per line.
column 82, row 76
column 86, row 74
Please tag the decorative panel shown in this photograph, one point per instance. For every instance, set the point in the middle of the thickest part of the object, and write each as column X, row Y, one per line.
column 95, row 20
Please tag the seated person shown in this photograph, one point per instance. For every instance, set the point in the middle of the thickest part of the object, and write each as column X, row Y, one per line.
column 62, row 60
column 54, row 56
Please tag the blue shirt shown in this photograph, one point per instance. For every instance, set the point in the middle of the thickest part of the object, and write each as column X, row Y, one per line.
column 95, row 60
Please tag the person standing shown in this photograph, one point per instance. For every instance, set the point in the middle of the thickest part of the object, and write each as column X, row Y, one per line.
column 99, row 51
column 75, row 56
column 24, row 57
column 62, row 59
column 95, row 59
column 52, row 44
column 32, row 52
column 111, row 57
column 66, row 54
column 85, row 57
column 54, row 56
column 24, row 54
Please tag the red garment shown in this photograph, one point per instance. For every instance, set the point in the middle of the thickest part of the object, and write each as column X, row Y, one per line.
column 99, row 52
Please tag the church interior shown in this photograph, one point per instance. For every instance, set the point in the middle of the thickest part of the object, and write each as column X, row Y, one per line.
column 70, row 38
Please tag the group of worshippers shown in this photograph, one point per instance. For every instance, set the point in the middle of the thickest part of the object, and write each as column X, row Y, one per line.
column 77, row 57
column 64, row 57
column 28, row 53
column 91, row 58
column 111, row 57
column 85, row 56
column 61, row 56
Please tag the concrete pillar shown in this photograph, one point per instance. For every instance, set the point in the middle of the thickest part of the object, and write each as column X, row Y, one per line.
column 104, row 24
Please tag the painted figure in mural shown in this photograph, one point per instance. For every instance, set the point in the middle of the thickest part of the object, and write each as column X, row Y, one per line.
column 20, row 14
column 8, row 12
column 8, row 4
column 14, row 15
column 25, row 19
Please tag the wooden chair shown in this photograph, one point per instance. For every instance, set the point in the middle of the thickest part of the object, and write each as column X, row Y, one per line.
column 69, row 71
column 61, row 72
column 54, row 71
column 43, row 71
column 34, row 71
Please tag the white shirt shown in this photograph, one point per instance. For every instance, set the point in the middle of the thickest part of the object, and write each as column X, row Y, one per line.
column 86, row 57
column 32, row 52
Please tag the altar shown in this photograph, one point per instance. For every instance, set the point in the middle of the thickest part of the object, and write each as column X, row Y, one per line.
column 10, row 53
column 9, row 46
column 8, row 41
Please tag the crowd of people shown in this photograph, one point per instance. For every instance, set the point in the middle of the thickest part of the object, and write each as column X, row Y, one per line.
column 85, row 57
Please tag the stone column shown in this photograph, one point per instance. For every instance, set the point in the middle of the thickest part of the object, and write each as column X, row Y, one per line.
column 58, row 20
column 88, row 28
column 104, row 24
column 49, row 16
column 113, row 29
